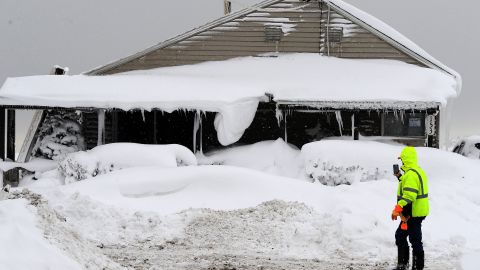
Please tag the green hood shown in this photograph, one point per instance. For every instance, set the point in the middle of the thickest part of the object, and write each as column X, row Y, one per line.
column 409, row 158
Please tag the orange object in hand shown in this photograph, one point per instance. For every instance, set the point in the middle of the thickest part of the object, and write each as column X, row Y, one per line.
column 396, row 212
column 404, row 226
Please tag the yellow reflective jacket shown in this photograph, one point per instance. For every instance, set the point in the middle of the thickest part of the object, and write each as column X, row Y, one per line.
column 413, row 185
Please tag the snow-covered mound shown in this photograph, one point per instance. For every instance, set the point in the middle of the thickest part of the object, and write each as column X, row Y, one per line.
column 273, row 157
column 106, row 158
column 345, row 162
column 336, row 162
column 21, row 239
column 468, row 147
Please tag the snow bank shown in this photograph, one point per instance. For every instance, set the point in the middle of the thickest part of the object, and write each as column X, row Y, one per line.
column 273, row 157
column 116, row 156
column 23, row 243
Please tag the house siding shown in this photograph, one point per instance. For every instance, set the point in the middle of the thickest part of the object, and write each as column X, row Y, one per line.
column 309, row 27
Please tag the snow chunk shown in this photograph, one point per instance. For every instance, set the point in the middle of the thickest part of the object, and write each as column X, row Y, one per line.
column 117, row 156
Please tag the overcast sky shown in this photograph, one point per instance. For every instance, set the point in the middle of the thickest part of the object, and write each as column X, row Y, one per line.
column 35, row 35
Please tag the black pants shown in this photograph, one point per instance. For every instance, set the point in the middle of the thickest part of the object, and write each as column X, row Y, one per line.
column 414, row 233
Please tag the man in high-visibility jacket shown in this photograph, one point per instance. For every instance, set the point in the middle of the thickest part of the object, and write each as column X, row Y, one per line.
column 412, row 205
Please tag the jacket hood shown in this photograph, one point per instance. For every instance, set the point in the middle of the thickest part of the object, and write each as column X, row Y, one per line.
column 409, row 158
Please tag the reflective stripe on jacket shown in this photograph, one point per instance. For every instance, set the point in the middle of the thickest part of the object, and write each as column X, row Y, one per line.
column 413, row 185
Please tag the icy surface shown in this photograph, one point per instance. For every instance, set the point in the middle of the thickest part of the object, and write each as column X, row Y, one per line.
column 116, row 156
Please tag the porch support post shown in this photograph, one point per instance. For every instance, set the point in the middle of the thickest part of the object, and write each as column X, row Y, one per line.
column 285, row 126
column 11, row 134
column 2, row 133
column 101, row 127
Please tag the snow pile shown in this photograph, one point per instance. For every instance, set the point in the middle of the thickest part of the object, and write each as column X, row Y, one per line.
column 21, row 239
column 35, row 236
column 273, row 157
column 59, row 135
column 334, row 162
column 468, row 147
column 116, row 156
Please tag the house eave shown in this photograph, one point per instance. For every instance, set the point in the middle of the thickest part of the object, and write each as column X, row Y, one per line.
column 362, row 105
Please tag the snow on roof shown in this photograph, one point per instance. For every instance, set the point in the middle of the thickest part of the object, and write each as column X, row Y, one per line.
column 233, row 88
column 210, row 85
column 390, row 34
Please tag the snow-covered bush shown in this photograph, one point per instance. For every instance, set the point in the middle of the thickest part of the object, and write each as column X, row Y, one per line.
column 345, row 162
column 330, row 174
column 106, row 158
column 60, row 135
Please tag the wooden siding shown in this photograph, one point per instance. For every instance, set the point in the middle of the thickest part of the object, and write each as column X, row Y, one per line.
column 308, row 28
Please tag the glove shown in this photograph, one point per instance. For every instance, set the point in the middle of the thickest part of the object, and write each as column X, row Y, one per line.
column 396, row 212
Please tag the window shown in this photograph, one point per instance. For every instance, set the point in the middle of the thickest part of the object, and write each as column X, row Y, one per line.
column 273, row 33
column 408, row 125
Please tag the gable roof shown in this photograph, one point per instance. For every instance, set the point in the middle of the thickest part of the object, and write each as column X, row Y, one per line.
column 365, row 20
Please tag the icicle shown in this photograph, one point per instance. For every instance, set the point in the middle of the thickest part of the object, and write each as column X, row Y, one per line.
column 338, row 115
column 279, row 115
column 142, row 111
column 402, row 115
column 196, row 125
column 101, row 127
column 286, row 136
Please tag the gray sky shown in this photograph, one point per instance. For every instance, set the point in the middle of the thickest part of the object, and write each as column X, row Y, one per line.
column 35, row 35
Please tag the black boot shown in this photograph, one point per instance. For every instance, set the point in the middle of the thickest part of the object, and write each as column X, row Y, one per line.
column 403, row 258
column 418, row 261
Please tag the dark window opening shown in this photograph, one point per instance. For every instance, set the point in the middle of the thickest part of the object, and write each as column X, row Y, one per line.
column 410, row 124
column 308, row 126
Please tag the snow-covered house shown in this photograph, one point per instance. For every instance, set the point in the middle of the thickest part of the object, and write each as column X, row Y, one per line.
column 301, row 70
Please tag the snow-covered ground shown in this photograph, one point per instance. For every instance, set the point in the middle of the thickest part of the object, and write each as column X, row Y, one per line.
column 264, row 207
